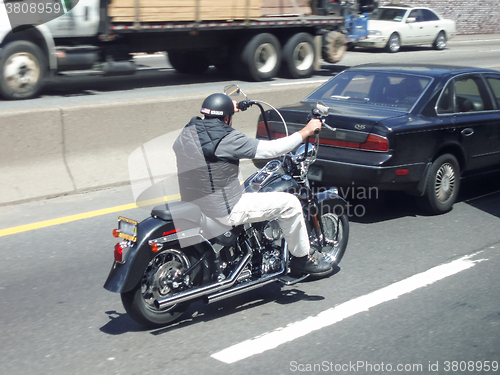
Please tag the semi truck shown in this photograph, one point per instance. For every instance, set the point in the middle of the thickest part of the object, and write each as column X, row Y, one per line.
column 253, row 39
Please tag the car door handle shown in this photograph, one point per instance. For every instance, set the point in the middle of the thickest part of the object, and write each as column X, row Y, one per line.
column 467, row 132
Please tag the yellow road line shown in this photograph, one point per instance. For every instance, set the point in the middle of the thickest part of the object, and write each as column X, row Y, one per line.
column 85, row 215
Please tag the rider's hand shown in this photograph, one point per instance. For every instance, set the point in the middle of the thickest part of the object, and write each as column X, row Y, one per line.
column 310, row 128
column 236, row 109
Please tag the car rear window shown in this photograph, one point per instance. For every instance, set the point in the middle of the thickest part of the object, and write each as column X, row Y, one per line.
column 392, row 90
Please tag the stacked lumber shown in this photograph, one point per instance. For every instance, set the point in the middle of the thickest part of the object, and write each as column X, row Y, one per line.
column 182, row 10
column 285, row 7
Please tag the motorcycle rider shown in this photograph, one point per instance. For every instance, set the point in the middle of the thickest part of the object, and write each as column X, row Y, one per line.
column 208, row 151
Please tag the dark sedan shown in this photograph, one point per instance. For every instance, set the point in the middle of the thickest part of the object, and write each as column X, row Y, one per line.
column 416, row 128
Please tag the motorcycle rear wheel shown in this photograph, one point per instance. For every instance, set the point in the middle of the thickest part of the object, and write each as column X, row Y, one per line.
column 156, row 282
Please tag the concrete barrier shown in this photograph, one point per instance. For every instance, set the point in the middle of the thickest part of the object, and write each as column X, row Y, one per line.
column 46, row 152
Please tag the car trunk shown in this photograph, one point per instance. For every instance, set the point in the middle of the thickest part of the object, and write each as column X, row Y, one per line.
column 352, row 124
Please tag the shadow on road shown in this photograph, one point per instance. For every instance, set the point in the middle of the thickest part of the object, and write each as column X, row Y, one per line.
column 120, row 323
column 482, row 193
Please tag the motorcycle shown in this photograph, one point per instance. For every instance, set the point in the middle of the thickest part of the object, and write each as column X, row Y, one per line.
column 160, row 267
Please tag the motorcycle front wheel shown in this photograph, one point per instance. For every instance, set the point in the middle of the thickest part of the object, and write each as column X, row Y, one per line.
column 336, row 235
column 161, row 278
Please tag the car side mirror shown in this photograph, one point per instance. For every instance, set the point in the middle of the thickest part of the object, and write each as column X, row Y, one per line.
column 411, row 20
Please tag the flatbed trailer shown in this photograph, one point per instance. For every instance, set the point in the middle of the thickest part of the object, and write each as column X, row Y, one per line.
column 88, row 38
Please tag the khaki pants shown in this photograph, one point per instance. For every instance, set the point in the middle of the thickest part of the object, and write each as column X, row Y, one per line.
column 285, row 207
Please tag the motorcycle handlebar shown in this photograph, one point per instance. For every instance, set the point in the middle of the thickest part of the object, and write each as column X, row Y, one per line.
column 245, row 104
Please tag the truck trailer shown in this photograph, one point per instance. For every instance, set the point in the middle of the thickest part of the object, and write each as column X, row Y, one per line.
column 251, row 39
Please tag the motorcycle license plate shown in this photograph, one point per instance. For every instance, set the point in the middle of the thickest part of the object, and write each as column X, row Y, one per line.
column 315, row 173
column 127, row 229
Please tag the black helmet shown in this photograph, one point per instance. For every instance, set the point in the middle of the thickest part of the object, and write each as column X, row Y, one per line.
column 217, row 105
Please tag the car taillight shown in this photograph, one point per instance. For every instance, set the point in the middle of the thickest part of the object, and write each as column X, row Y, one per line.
column 375, row 143
column 119, row 253
column 372, row 143
column 261, row 132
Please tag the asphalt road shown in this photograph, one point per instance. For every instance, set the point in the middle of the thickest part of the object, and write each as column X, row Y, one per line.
column 156, row 78
column 55, row 317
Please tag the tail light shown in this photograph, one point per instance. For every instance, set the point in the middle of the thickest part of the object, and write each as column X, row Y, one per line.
column 261, row 132
column 119, row 253
column 373, row 143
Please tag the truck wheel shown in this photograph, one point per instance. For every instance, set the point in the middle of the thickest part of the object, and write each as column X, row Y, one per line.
column 334, row 47
column 443, row 182
column 262, row 57
column 23, row 68
column 440, row 42
column 188, row 62
column 298, row 56
column 393, row 44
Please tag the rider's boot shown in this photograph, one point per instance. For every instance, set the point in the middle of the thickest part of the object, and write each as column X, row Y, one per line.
column 315, row 264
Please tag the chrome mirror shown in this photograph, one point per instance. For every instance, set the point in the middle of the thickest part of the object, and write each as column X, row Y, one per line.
column 322, row 108
column 233, row 91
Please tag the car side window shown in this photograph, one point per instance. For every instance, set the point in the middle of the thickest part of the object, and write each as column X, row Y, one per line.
column 471, row 94
column 415, row 13
column 429, row 15
column 495, row 86
column 446, row 103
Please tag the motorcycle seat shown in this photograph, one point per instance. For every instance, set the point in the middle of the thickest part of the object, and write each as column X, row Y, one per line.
column 186, row 214
column 179, row 210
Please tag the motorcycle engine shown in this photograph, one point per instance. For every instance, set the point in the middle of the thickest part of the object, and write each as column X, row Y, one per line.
column 271, row 261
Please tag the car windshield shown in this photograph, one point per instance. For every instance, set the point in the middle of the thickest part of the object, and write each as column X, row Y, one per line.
column 392, row 90
column 388, row 14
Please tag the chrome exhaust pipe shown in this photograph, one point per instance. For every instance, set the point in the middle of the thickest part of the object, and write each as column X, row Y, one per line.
column 244, row 287
column 207, row 289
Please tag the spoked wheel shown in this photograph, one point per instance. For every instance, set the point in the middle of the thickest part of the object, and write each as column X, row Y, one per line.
column 162, row 277
column 336, row 235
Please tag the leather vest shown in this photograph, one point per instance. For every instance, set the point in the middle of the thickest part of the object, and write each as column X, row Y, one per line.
column 205, row 179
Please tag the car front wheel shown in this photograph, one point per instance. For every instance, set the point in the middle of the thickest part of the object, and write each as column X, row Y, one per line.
column 443, row 182
column 394, row 43
column 440, row 42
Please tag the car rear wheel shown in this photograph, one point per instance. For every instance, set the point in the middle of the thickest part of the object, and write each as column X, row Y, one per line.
column 393, row 44
column 440, row 42
column 443, row 182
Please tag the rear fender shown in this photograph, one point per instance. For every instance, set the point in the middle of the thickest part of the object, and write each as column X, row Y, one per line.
column 123, row 277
